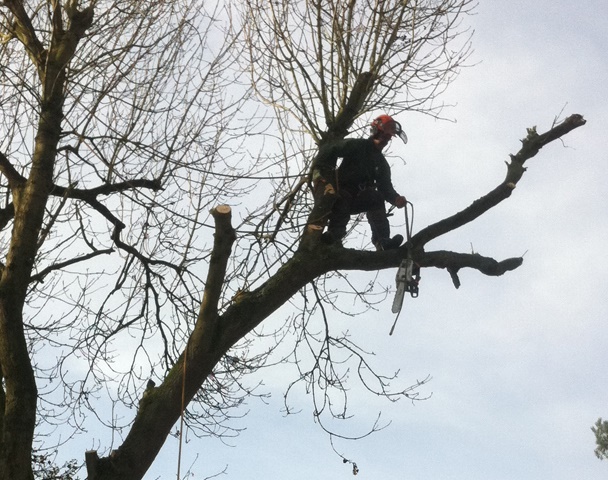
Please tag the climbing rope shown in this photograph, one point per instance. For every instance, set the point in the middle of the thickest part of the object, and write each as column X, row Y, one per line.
column 181, row 422
column 409, row 226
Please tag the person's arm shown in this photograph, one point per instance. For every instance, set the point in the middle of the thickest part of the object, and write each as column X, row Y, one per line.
column 324, row 164
column 385, row 185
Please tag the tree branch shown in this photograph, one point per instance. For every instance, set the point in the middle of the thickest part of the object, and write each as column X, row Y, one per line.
column 39, row 277
column 530, row 147
column 6, row 215
column 89, row 196
column 222, row 247
column 106, row 189
column 25, row 32
column 15, row 179
column 453, row 262
column 162, row 406
column 352, row 108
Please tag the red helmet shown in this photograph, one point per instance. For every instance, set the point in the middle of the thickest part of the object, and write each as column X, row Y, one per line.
column 385, row 124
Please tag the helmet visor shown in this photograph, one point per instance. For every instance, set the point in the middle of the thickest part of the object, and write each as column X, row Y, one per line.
column 394, row 128
column 402, row 136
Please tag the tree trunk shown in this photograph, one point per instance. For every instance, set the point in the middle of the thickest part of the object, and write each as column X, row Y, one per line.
column 30, row 198
column 20, row 386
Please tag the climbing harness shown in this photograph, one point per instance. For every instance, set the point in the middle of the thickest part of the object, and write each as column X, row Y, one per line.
column 408, row 273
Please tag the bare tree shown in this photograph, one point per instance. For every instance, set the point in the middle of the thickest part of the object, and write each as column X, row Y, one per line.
column 128, row 128
column 114, row 119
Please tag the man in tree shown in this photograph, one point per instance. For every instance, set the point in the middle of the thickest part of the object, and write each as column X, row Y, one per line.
column 362, row 183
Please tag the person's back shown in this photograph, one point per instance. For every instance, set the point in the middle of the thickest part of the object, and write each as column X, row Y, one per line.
column 359, row 163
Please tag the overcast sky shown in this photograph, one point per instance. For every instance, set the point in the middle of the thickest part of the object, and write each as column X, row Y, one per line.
column 518, row 363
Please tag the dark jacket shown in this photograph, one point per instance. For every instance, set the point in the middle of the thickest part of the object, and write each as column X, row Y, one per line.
column 362, row 165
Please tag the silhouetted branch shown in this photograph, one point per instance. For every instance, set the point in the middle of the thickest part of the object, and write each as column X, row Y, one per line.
column 530, row 147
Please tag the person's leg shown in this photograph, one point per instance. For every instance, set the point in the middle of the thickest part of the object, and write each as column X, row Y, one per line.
column 339, row 217
column 379, row 224
column 372, row 202
column 325, row 196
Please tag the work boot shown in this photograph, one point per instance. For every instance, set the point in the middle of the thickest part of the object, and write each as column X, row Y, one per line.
column 389, row 243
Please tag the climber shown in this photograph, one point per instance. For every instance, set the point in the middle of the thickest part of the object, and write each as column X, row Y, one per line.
column 362, row 183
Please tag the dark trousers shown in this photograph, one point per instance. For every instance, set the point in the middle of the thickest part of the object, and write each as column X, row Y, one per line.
column 353, row 200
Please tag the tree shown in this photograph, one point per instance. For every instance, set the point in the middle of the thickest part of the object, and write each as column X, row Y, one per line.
column 601, row 438
column 126, row 136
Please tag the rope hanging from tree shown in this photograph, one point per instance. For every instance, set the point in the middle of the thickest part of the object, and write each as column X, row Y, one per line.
column 183, row 407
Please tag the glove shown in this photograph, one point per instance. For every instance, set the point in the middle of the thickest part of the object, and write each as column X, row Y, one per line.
column 400, row 201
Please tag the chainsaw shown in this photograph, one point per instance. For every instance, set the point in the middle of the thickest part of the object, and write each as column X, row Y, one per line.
column 408, row 273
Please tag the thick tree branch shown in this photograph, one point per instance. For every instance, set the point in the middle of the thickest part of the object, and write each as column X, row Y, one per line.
column 15, row 179
column 161, row 406
column 473, row 211
column 352, row 108
column 6, row 215
column 222, row 247
column 24, row 31
column 453, row 262
column 336, row 258
column 64, row 43
column 530, row 147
